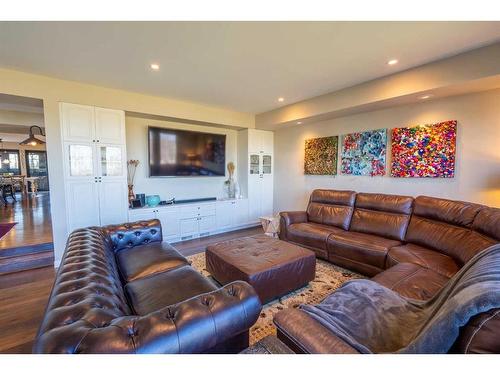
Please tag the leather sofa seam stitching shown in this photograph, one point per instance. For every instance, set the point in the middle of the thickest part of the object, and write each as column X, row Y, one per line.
column 478, row 329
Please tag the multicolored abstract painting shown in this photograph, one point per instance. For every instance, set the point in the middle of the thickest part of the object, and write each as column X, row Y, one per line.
column 321, row 156
column 363, row 154
column 424, row 151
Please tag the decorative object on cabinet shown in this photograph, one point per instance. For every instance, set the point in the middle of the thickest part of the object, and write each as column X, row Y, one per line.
column 136, row 203
column 321, row 156
column 153, row 200
column 231, row 188
column 364, row 153
column 141, row 198
column 131, row 168
column 424, row 151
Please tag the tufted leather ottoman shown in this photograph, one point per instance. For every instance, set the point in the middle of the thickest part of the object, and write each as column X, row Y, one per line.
column 273, row 267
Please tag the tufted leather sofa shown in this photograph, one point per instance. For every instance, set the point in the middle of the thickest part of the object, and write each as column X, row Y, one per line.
column 410, row 245
column 120, row 289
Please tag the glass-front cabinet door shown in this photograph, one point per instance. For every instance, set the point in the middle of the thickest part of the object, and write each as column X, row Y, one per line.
column 81, row 160
column 254, row 164
column 111, row 161
column 267, row 164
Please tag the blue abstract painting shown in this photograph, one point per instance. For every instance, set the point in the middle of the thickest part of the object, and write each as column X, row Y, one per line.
column 364, row 153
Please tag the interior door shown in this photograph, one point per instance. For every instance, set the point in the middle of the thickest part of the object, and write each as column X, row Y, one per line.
column 36, row 166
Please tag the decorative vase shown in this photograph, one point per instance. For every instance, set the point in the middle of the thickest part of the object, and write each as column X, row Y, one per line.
column 153, row 200
column 131, row 195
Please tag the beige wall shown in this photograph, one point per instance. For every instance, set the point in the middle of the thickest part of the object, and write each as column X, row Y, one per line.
column 52, row 91
column 478, row 152
column 179, row 187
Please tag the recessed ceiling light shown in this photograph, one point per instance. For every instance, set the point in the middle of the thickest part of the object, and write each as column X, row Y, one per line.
column 299, row 122
column 281, row 99
column 425, row 97
column 155, row 66
column 392, row 62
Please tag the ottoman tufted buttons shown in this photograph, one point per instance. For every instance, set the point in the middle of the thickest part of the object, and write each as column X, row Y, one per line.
column 153, row 231
column 137, row 233
column 120, row 236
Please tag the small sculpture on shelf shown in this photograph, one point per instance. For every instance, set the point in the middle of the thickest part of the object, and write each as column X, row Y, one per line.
column 131, row 168
column 231, row 188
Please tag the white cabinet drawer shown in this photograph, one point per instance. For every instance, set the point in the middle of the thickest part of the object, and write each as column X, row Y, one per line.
column 197, row 210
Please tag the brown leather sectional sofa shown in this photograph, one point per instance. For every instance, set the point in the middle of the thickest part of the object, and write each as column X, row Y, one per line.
column 119, row 289
column 410, row 245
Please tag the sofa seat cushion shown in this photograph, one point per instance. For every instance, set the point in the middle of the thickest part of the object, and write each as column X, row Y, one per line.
column 412, row 281
column 359, row 249
column 166, row 288
column 410, row 253
column 311, row 234
column 141, row 261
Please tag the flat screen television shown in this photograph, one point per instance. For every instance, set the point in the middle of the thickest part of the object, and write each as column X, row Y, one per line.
column 178, row 153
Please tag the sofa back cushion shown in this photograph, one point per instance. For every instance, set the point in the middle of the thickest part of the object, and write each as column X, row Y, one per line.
column 331, row 207
column 123, row 236
column 447, row 226
column 382, row 214
column 487, row 222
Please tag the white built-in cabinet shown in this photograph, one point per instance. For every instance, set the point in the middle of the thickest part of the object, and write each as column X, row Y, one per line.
column 256, row 170
column 95, row 172
column 192, row 220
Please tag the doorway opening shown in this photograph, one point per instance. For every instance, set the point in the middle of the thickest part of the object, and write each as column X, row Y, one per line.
column 25, row 217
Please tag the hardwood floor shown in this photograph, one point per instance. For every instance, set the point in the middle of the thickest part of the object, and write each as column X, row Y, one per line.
column 32, row 213
column 23, row 295
column 29, row 244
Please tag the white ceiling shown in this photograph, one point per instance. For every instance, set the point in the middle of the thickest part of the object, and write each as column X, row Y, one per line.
column 244, row 66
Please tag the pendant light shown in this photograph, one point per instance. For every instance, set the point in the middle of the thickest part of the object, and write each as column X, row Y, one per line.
column 32, row 140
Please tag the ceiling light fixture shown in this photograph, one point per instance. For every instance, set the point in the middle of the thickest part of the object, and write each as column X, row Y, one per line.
column 32, row 140
column 299, row 122
column 281, row 99
column 425, row 97
column 155, row 66
column 392, row 62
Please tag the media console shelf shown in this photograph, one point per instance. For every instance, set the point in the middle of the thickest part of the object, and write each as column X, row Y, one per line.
column 185, row 221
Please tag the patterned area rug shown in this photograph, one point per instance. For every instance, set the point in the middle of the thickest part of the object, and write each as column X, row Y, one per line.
column 328, row 278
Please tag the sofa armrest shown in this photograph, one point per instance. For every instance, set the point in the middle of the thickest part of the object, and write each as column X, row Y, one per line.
column 293, row 217
column 127, row 235
column 289, row 218
column 195, row 325
column 303, row 334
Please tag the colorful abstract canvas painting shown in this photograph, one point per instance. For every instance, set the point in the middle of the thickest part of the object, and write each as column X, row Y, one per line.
column 364, row 153
column 424, row 151
column 321, row 156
